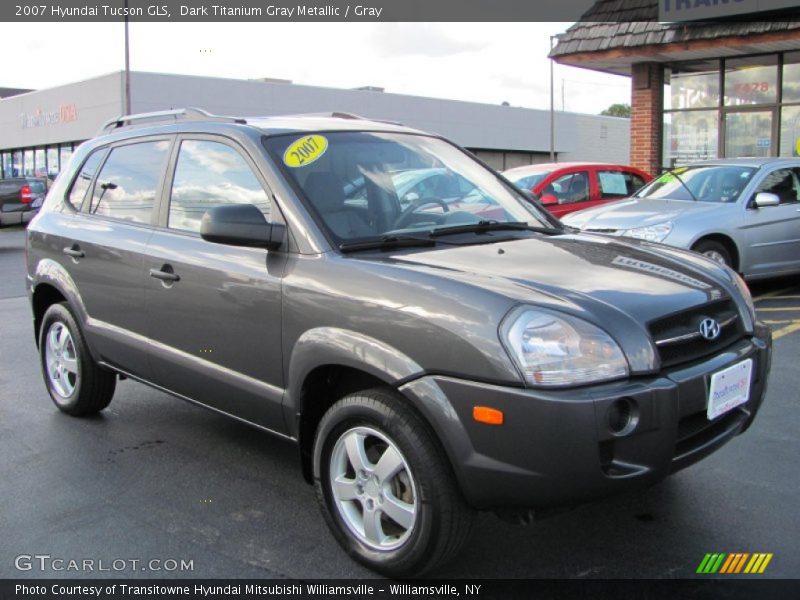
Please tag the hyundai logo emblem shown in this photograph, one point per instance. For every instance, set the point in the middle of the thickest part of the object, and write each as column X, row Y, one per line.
column 709, row 329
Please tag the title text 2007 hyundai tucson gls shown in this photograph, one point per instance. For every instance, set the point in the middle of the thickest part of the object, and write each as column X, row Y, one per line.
column 448, row 349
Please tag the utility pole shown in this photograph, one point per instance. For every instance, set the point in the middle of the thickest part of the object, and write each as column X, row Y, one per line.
column 552, row 109
column 127, row 65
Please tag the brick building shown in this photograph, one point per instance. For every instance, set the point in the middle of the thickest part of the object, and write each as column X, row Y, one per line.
column 725, row 85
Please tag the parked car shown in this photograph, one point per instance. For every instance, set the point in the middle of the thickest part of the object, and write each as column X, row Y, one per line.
column 20, row 199
column 426, row 363
column 564, row 188
column 744, row 213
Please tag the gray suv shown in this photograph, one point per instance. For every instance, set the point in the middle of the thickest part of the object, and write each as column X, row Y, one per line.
column 451, row 350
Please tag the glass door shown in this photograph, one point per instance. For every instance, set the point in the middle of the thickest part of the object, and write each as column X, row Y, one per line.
column 749, row 133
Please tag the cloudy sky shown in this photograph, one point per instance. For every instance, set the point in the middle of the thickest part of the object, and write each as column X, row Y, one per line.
column 483, row 62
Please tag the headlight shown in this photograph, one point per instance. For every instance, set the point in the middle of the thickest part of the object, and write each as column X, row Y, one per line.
column 743, row 290
column 651, row 233
column 556, row 350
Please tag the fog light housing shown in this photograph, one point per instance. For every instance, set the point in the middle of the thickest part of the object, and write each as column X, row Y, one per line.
column 622, row 416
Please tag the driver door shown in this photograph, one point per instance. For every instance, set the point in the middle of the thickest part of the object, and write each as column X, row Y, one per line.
column 773, row 232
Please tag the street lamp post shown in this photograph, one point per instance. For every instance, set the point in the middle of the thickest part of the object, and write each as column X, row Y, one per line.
column 127, row 65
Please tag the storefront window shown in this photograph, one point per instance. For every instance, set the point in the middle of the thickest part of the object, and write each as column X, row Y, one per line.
column 751, row 81
column 8, row 169
column 27, row 160
column 52, row 161
column 748, row 133
column 65, row 152
column 790, row 131
column 693, row 85
column 17, row 164
column 690, row 136
column 791, row 77
column 40, row 164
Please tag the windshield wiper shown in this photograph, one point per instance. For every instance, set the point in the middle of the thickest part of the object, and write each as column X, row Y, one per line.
column 491, row 225
column 387, row 242
column 683, row 183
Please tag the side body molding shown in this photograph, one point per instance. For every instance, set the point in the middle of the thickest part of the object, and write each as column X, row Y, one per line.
column 323, row 346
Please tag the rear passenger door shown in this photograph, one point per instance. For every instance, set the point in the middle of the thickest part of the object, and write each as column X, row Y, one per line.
column 215, row 317
column 103, row 246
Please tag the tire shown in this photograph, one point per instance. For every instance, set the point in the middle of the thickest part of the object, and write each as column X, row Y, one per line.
column 433, row 522
column 715, row 251
column 76, row 383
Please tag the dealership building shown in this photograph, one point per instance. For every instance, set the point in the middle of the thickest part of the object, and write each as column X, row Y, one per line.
column 40, row 129
column 699, row 89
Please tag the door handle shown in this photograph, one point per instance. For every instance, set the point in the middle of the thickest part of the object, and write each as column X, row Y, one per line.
column 74, row 251
column 165, row 275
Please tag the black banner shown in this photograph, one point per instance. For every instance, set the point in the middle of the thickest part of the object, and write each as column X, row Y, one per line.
column 546, row 589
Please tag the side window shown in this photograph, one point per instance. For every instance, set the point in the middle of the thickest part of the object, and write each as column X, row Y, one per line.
column 570, row 188
column 209, row 174
column 616, row 184
column 81, row 184
column 127, row 185
column 783, row 183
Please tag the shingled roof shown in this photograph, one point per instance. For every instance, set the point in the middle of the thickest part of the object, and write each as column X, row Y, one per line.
column 633, row 25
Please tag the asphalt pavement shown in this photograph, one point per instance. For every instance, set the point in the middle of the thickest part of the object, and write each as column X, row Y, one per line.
column 156, row 479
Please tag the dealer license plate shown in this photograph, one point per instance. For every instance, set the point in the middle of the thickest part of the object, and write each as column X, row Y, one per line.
column 729, row 388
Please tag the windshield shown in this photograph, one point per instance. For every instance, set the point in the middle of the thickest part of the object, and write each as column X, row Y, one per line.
column 366, row 185
column 707, row 183
column 527, row 181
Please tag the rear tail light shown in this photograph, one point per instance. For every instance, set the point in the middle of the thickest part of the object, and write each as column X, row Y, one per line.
column 25, row 194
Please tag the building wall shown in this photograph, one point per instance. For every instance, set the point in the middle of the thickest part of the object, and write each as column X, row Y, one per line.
column 600, row 139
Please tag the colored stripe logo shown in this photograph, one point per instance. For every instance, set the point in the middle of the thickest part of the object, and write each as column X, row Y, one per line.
column 733, row 563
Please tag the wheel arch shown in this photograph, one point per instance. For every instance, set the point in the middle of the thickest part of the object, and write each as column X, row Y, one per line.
column 727, row 241
column 328, row 363
column 52, row 284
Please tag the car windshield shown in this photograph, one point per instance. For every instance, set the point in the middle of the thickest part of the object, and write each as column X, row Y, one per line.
column 704, row 183
column 527, row 181
column 368, row 185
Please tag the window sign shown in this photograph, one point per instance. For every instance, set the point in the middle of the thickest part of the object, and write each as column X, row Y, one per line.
column 612, row 183
column 751, row 81
column 690, row 136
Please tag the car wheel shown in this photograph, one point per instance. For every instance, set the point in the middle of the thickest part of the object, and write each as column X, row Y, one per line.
column 386, row 490
column 77, row 384
column 715, row 251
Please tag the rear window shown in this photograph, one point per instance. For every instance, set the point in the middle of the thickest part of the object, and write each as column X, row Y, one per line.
column 37, row 186
column 127, row 184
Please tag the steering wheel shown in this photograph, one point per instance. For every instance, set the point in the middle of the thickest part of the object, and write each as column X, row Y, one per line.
column 405, row 216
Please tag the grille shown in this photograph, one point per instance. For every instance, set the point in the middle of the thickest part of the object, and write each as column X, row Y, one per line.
column 678, row 339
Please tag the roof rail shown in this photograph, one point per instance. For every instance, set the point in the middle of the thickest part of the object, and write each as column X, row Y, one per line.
column 189, row 114
column 343, row 115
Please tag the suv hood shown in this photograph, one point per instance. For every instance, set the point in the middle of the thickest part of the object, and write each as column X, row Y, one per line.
column 592, row 275
column 635, row 212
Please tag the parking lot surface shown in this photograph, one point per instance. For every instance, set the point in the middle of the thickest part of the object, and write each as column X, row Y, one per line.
column 154, row 478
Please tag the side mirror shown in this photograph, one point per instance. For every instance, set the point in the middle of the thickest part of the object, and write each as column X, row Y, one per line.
column 766, row 199
column 241, row 225
column 547, row 199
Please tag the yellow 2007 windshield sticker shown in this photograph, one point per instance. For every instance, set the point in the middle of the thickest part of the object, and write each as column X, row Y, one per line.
column 305, row 151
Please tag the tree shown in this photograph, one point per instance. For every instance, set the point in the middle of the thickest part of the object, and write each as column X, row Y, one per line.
column 618, row 110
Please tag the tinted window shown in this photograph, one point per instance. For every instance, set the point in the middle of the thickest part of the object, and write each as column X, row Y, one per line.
column 81, row 184
column 569, row 188
column 210, row 174
column 127, row 184
column 784, row 183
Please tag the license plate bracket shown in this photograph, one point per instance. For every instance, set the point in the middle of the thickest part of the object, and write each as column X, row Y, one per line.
column 729, row 388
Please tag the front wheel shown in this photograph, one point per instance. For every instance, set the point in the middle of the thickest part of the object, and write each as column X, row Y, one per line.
column 385, row 487
column 715, row 251
column 77, row 385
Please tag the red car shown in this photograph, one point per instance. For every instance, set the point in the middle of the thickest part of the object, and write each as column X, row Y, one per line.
column 566, row 187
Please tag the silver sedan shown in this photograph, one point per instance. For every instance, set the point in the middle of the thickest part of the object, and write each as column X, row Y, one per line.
column 744, row 212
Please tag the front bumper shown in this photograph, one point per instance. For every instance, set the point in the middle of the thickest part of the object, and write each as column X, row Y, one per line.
column 555, row 448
